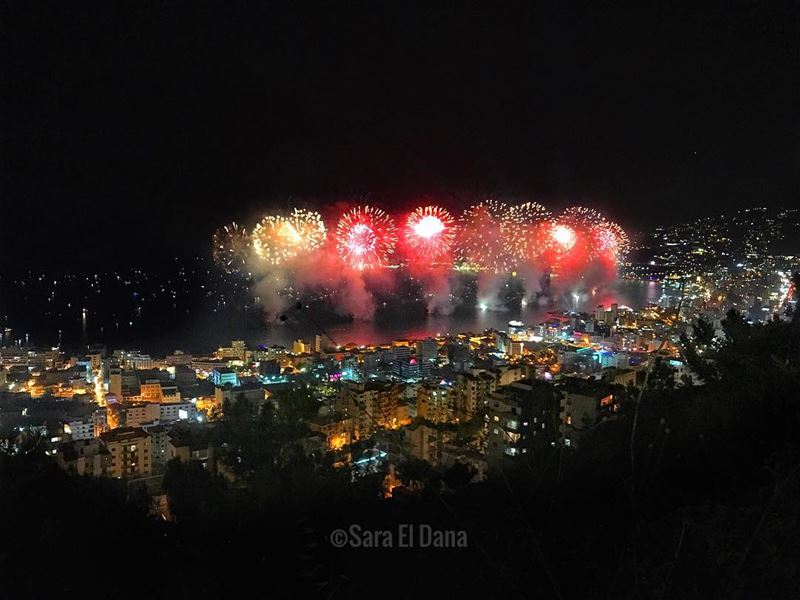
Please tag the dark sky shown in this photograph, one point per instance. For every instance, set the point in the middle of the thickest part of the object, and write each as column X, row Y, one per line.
column 133, row 129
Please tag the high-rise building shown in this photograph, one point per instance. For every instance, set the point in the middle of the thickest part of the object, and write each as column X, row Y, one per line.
column 370, row 364
column 475, row 388
column 371, row 405
column 401, row 354
column 600, row 313
column 159, row 443
column 460, row 356
column 427, row 356
column 614, row 314
column 521, row 418
column 122, row 382
column 240, row 349
column 437, row 403
column 99, row 421
column 410, row 370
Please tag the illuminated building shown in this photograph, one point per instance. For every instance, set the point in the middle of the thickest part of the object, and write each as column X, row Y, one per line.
column 240, row 348
column 402, row 354
column 208, row 364
column 371, row 405
column 502, row 341
column 169, row 412
column 80, row 429
column 123, row 382
column 130, row 450
column 178, row 358
column 516, row 329
column 135, row 360
column 221, row 376
column 437, row 403
column 427, row 356
column 409, row 369
column 506, row 375
column 150, row 391
column 520, row 418
column 370, row 362
column 475, row 387
column 515, row 348
column 425, row 442
column 95, row 360
column 236, row 351
column 336, row 428
column 99, row 421
column 136, row 414
column 600, row 313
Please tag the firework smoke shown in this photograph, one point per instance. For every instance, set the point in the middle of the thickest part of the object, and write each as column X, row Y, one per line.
column 509, row 248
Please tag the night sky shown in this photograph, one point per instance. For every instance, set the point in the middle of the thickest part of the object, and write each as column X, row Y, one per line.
column 131, row 130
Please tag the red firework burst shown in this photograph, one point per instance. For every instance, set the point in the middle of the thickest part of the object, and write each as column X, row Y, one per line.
column 365, row 237
column 572, row 234
column 527, row 231
column 482, row 237
column 430, row 233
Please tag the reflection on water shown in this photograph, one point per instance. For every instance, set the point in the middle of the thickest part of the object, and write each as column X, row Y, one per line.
column 203, row 330
column 395, row 323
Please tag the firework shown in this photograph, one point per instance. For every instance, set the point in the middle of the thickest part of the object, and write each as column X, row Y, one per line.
column 563, row 237
column 278, row 238
column 482, row 240
column 573, row 232
column 430, row 232
column 526, row 230
column 610, row 240
column 365, row 237
column 231, row 247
